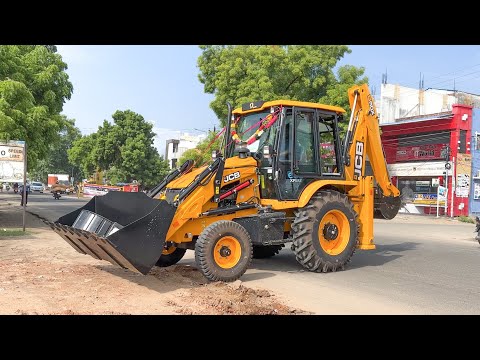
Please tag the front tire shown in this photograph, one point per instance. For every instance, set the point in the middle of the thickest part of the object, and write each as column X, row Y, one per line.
column 223, row 251
column 325, row 232
column 170, row 256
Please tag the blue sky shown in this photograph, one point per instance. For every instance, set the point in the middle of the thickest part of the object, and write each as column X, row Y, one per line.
column 160, row 82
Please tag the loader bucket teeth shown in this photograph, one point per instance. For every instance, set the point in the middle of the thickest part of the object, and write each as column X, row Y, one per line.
column 126, row 229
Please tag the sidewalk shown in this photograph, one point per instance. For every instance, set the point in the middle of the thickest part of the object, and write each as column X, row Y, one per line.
column 11, row 216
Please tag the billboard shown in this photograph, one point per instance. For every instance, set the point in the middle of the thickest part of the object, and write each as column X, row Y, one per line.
column 12, row 163
column 91, row 190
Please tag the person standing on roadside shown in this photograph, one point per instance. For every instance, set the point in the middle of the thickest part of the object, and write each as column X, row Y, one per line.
column 77, row 189
column 26, row 196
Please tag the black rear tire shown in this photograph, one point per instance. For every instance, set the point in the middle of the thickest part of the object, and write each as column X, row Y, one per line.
column 223, row 251
column 263, row 252
column 171, row 259
column 315, row 248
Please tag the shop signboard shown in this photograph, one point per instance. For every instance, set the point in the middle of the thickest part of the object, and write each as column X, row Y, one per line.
column 420, row 152
column 442, row 198
column 415, row 169
column 426, row 199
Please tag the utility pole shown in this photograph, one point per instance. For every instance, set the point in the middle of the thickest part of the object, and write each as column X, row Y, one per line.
column 447, row 167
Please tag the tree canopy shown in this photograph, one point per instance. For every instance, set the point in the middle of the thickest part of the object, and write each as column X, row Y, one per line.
column 123, row 149
column 33, row 88
column 245, row 73
column 56, row 160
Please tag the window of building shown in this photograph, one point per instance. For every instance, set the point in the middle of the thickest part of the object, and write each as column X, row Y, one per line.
column 419, row 191
column 463, row 142
column 175, row 147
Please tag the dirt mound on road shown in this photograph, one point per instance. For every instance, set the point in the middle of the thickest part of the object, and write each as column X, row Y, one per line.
column 219, row 298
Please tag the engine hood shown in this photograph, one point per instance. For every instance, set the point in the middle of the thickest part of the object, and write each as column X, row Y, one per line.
column 231, row 163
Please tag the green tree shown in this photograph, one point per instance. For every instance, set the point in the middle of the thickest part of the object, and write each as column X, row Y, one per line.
column 56, row 160
column 123, row 149
column 202, row 153
column 338, row 95
column 82, row 154
column 33, row 88
column 240, row 74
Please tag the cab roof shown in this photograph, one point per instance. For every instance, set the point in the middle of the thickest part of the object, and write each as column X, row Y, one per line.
column 303, row 104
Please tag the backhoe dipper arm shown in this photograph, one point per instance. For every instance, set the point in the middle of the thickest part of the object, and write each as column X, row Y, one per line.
column 363, row 138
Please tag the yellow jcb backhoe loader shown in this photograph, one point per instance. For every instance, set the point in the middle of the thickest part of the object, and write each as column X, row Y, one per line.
column 285, row 176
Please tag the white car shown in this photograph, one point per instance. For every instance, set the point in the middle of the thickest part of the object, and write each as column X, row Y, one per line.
column 36, row 186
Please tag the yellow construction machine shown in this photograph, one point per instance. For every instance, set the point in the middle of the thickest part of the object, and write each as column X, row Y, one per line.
column 285, row 176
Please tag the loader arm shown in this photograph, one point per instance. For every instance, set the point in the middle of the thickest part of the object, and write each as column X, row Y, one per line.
column 363, row 138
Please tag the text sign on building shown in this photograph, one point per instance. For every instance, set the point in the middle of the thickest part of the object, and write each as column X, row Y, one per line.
column 12, row 161
column 464, row 168
column 420, row 152
column 433, row 168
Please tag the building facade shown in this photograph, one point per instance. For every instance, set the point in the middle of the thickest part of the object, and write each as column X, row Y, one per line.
column 427, row 151
column 474, row 203
column 176, row 147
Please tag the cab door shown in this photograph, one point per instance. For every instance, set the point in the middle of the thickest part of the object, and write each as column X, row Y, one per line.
column 296, row 164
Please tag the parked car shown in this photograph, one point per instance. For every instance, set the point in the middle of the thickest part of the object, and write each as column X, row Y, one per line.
column 37, row 186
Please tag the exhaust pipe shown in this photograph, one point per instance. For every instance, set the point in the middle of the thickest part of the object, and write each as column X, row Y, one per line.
column 227, row 130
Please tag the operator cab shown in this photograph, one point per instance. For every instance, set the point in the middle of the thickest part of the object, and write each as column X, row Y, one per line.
column 294, row 142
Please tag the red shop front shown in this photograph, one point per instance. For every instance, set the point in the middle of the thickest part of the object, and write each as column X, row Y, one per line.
column 428, row 151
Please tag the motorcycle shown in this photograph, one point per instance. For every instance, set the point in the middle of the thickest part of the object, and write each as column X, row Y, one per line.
column 56, row 195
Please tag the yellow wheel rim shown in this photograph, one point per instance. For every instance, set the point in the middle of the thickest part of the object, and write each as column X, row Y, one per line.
column 334, row 232
column 227, row 252
column 169, row 250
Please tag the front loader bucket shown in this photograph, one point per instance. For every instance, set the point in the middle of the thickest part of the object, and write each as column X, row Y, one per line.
column 126, row 229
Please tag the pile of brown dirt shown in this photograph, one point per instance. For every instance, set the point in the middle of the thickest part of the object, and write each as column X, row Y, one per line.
column 42, row 274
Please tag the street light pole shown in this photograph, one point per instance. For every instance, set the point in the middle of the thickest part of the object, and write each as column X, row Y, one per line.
column 453, row 186
column 446, row 194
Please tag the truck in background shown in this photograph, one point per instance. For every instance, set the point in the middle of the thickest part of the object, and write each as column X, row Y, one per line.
column 63, row 181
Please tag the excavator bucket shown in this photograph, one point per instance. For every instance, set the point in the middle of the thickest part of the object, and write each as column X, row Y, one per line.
column 126, row 229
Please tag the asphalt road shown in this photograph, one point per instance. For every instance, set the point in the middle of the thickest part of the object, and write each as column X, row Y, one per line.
column 45, row 205
column 422, row 265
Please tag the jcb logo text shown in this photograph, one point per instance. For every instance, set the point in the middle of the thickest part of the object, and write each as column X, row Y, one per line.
column 358, row 160
column 231, row 177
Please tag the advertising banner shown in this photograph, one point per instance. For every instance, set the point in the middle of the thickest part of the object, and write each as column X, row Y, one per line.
column 12, row 161
column 94, row 190
column 464, row 169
